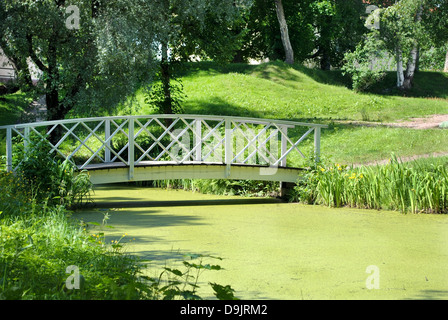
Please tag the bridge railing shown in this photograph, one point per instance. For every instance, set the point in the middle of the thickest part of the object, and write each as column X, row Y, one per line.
column 180, row 139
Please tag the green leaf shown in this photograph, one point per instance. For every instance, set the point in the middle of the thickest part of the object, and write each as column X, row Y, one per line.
column 223, row 292
column 175, row 271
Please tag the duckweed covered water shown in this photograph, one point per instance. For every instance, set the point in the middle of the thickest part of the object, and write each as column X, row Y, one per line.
column 276, row 250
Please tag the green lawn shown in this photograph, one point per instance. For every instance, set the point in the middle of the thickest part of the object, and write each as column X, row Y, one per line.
column 278, row 91
column 12, row 107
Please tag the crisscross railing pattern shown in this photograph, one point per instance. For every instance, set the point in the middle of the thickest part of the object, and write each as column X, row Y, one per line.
column 152, row 139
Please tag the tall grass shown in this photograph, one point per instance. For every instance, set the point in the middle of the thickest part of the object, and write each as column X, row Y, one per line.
column 416, row 187
column 39, row 241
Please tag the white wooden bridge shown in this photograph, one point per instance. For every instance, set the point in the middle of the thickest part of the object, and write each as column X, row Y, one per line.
column 158, row 147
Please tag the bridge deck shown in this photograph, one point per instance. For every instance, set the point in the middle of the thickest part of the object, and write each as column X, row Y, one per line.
column 161, row 170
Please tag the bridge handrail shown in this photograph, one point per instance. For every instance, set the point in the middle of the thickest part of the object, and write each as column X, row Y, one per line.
column 166, row 116
column 193, row 124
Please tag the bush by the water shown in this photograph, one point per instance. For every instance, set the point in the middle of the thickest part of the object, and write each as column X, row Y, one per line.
column 407, row 187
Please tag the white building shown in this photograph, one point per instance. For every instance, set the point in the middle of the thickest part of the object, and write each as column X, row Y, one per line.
column 6, row 69
column 7, row 72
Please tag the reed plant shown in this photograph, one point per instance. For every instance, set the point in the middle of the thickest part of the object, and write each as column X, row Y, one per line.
column 406, row 187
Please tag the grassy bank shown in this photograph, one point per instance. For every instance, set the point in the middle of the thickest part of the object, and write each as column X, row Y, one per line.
column 279, row 91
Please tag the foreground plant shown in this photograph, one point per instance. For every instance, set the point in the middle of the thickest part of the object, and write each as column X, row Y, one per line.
column 52, row 179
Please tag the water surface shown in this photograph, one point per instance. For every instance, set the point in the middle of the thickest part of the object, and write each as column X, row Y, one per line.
column 277, row 250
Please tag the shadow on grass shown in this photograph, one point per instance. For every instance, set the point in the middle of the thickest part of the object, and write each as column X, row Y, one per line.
column 265, row 71
column 219, row 107
column 146, row 218
column 426, row 85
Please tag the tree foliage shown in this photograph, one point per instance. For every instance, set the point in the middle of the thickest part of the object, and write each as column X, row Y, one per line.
column 315, row 29
column 406, row 28
column 189, row 30
column 94, row 64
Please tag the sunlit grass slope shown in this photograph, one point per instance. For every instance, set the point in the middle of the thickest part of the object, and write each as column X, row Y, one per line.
column 279, row 91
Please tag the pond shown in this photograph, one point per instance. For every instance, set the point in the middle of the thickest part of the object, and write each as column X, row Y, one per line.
column 276, row 250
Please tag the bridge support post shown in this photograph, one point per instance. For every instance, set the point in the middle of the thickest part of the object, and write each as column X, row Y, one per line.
column 9, row 149
column 285, row 189
column 228, row 147
column 197, row 139
column 26, row 139
column 317, row 144
column 131, row 148
column 107, row 137
column 284, row 144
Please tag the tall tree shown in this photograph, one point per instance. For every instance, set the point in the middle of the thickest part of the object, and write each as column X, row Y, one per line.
column 314, row 30
column 94, row 62
column 436, row 20
column 403, row 32
column 413, row 56
column 331, row 19
column 191, row 29
column 289, row 52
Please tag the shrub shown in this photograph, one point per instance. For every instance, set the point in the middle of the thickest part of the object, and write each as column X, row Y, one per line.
column 37, row 251
column 16, row 197
column 52, row 179
column 366, row 64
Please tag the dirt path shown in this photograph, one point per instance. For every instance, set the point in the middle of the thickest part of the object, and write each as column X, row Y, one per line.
column 421, row 123
column 431, row 122
column 36, row 112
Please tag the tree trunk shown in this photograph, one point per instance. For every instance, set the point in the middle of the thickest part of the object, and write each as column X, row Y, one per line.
column 400, row 73
column 55, row 108
column 446, row 62
column 166, row 80
column 325, row 63
column 165, row 77
column 417, row 64
column 412, row 62
column 284, row 32
column 410, row 70
column 51, row 90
